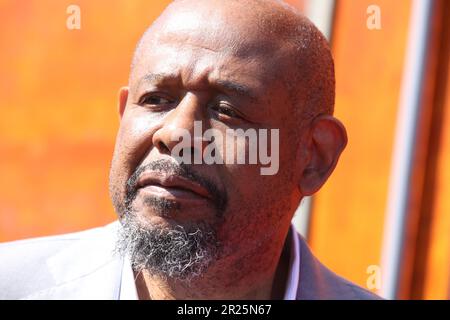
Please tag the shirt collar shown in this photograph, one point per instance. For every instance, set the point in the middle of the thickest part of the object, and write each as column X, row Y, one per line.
column 294, row 267
column 128, row 286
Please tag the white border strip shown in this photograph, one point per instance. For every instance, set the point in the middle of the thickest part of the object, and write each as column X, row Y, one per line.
column 401, row 166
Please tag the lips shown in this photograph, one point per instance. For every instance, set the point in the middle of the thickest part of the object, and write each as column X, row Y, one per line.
column 176, row 185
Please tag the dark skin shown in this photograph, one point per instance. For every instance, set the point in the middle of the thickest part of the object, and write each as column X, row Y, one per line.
column 181, row 74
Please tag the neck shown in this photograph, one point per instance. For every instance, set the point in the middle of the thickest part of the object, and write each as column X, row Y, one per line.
column 257, row 275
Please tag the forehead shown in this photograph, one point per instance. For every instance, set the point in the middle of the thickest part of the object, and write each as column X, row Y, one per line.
column 197, row 50
column 196, row 68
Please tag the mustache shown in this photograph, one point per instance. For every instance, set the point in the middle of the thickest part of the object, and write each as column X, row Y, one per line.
column 219, row 197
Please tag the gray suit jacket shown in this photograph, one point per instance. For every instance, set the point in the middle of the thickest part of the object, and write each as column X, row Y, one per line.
column 83, row 265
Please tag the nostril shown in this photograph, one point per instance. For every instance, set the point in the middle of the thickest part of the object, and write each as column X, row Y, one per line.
column 162, row 147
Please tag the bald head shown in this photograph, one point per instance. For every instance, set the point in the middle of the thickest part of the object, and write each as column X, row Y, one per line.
column 248, row 28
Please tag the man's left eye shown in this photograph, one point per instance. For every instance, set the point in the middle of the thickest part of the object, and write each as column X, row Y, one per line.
column 227, row 111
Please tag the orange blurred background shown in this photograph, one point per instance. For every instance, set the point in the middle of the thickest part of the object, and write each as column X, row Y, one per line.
column 58, row 120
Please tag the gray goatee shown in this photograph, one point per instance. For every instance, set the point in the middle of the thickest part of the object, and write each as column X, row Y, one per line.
column 175, row 252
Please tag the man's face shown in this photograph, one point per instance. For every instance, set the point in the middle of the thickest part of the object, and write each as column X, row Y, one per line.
column 190, row 71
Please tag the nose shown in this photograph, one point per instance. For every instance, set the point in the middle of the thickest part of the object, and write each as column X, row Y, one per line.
column 182, row 127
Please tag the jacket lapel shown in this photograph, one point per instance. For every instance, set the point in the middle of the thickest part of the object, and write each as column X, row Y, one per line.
column 317, row 282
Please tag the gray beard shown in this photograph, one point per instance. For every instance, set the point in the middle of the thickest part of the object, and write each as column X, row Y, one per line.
column 174, row 252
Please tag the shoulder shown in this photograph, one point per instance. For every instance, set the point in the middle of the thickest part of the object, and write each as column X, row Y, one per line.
column 319, row 282
column 36, row 248
column 26, row 264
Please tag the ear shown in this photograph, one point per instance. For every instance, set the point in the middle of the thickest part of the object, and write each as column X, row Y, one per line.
column 123, row 97
column 327, row 140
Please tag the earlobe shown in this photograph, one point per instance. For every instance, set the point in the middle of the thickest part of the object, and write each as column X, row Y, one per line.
column 328, row 139
column 123, row 98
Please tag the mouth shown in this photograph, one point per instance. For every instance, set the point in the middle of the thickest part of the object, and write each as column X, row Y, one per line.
column 172, row 187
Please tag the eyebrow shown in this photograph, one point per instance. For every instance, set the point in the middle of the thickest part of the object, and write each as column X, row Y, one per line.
column 237, row 88
column 156, row 77
column 226, row 86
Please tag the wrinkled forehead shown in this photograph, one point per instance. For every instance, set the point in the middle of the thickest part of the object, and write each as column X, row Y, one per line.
column 212, row 44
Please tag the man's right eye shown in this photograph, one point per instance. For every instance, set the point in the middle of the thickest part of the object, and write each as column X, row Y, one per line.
column 154, row 100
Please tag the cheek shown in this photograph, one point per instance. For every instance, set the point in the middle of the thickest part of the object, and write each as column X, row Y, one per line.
column 256, row 197
column 134, row 138
column 245, row 179
column 133, row 142
column 138, row 124
column 257, row 206
column 248, row 179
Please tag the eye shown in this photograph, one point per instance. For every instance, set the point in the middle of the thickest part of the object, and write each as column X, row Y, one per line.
column 154, row 99
column 226, row 110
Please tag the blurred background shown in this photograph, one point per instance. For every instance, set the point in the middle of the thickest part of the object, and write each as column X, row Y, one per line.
column 383, row 218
